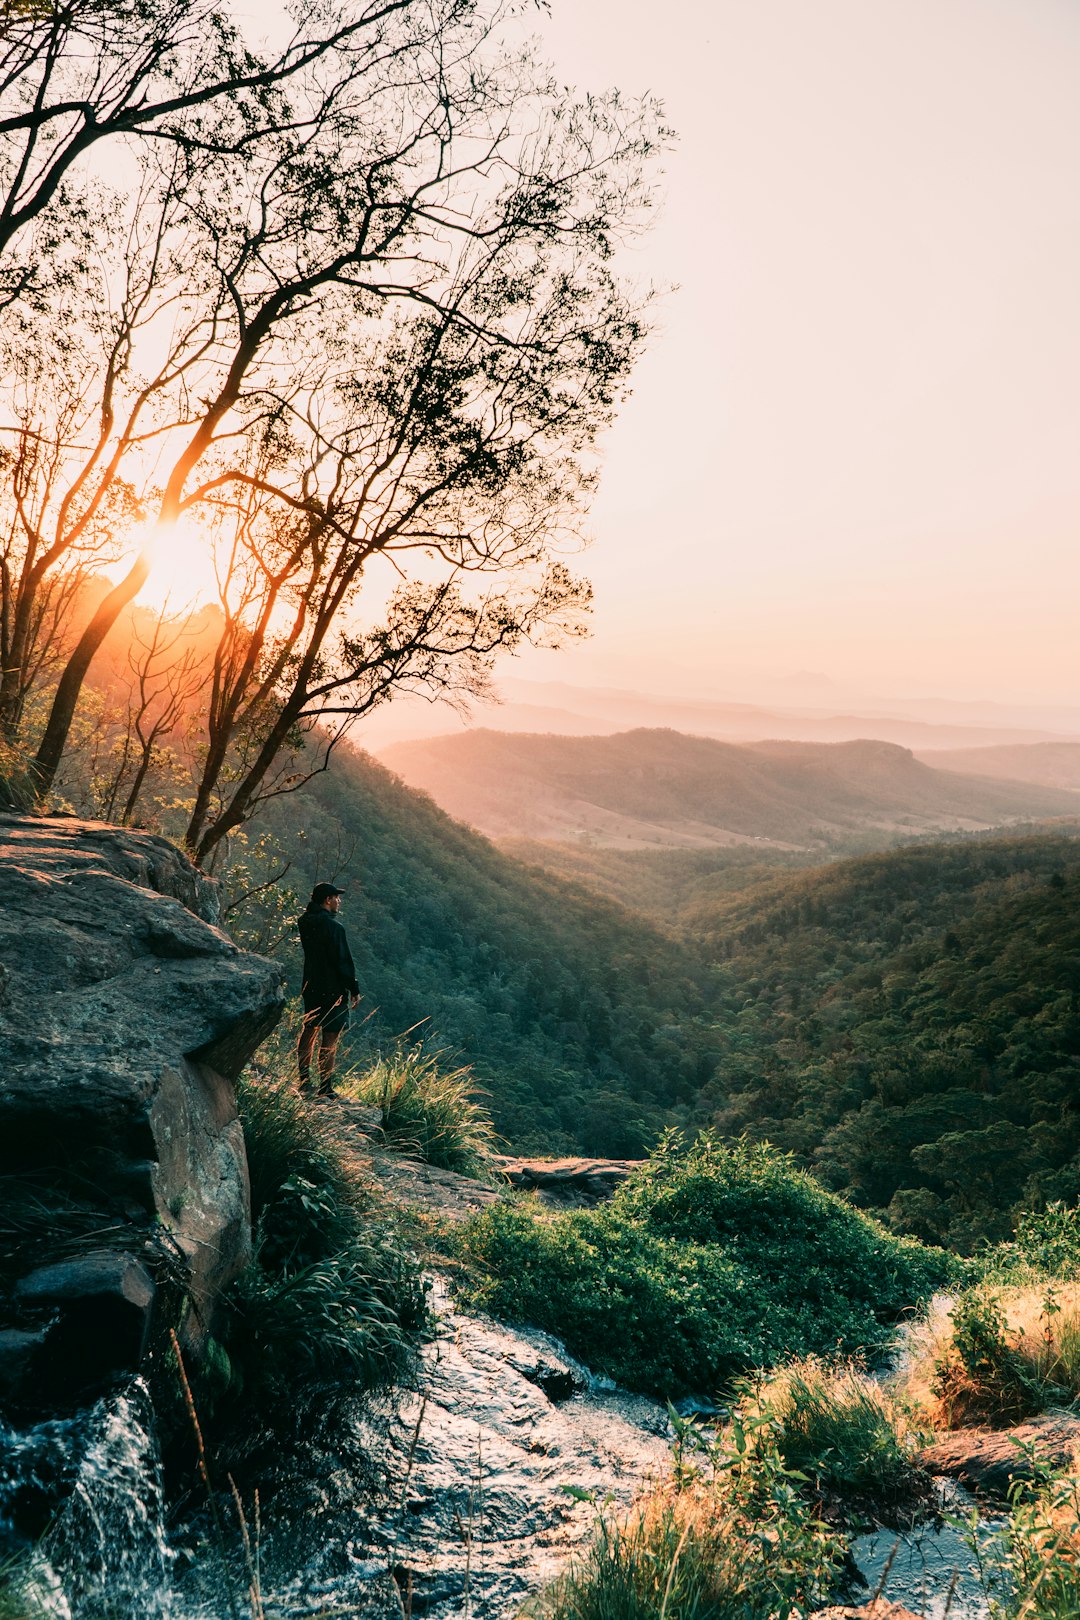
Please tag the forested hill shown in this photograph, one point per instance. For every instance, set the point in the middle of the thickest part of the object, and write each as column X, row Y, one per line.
column 909, row 1023
column 580, row 1019
column 649, row 788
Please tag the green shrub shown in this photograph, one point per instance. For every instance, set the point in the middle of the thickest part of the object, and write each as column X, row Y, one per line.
column 1031, row 1569
column 754, row 1203
column 428, row 1111
column 1046, row 1245
column 708, row 1263
column 286, row 1136
column 736, row 1541
column 843, row 1431
column 332, row 1297
column 330, row 1300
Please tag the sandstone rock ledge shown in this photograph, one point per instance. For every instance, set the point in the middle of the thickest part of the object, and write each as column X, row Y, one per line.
column 568, row 1183
column 125, row 1016
column 990, row 1461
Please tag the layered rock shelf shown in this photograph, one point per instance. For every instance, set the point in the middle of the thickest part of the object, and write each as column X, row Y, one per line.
column 125, row 1016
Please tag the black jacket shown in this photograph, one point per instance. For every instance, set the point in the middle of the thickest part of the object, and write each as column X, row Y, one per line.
column 329, row 972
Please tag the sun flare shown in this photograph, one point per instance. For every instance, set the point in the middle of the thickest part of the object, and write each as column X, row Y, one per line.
column 182, row 573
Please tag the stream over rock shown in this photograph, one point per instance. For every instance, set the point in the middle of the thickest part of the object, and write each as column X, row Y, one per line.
column 480, row 1484
column 462, row 1497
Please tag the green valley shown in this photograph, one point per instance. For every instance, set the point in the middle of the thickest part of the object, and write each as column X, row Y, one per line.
column 906, row 1023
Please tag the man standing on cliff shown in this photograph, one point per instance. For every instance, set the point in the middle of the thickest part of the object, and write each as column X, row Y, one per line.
column 330, row 986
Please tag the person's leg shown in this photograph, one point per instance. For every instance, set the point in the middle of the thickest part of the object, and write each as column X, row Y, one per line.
column 305, row 1046
column 327, row 1058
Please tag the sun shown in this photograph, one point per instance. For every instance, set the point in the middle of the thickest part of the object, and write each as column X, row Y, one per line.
column 182, row 574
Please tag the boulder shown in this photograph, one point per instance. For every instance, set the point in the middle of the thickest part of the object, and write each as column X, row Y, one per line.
column 568, row 1183
column 989, row 1461
column 101, row 1304
column 125, row 1016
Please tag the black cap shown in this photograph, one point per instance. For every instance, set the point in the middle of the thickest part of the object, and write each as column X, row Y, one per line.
column 323, row 892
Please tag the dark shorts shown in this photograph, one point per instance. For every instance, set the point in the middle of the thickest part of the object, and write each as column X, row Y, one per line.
column 330, row 1016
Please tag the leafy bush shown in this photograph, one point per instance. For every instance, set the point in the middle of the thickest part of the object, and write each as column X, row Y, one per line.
column 427, row 1111
column 707, row 1263
column 332, row 1297
column 1034, row 1573
column 286, row 1136
column 733, row 1540
column 17, row 790
column 1046, row 1245
column 753, row 1202
column 843, row 1431
column 980, row 1376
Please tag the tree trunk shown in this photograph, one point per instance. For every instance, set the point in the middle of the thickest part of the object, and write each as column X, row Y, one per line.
column 62, row 712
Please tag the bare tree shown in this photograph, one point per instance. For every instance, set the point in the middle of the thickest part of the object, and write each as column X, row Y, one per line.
column 383, row 336
column 165, row 675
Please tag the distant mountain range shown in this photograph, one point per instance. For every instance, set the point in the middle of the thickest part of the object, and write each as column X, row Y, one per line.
column 559, row 707
column 660, row 788
column 1051, row 764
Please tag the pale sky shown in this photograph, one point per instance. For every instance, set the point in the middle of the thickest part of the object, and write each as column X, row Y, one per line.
column 853, row 445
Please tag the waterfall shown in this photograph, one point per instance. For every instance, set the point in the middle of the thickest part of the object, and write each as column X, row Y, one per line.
column 90, row 1488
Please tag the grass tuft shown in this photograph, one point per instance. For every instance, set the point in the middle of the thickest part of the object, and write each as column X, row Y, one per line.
column 333, row 1297
column 428, row 1111
column 286, row 1136
column 846, row 1433
column 17, row 1599
column 727, row 1537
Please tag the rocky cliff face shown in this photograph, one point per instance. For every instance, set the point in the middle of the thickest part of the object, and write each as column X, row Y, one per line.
column 125, row 1015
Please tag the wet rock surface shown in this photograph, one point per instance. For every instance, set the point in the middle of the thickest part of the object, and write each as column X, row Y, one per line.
column 942, row 1568
column 877, row 1609
column 482, row 1482
column 125, row 1015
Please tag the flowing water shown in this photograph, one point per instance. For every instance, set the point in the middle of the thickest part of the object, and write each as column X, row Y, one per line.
column 945, row 1566
column 457, row 1499
column 453, row 1502
column 91, row 1485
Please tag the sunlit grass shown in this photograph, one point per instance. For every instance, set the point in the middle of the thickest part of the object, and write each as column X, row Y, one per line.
column 839, row 1427
column 728, row 1536
column 996, row 1357
column 1031, row 1571
column 429, row 1110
